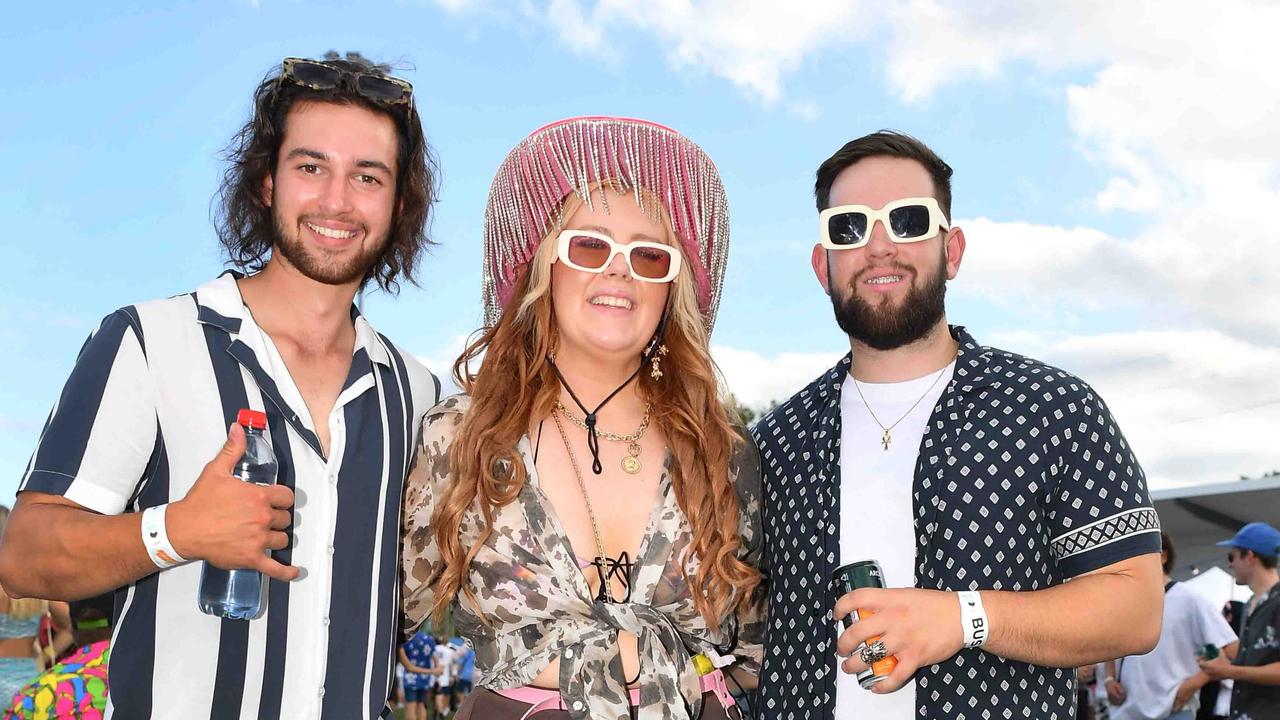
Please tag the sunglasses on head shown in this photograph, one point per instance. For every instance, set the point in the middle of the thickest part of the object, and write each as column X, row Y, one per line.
column 320, row 75
column 593, row 252
column 845, row 227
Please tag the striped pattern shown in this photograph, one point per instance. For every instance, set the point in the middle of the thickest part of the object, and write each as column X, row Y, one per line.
column 147, row 405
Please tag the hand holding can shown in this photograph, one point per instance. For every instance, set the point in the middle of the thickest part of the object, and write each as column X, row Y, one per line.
column 847, row 578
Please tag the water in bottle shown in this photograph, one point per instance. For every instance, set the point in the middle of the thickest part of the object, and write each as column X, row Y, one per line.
column 237, row 594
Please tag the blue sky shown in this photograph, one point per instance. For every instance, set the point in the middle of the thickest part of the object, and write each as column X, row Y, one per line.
column 1106, row 178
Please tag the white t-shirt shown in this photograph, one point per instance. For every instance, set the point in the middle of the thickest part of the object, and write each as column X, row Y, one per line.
column 1150, row 681
column 445, row 657
column 875, row 505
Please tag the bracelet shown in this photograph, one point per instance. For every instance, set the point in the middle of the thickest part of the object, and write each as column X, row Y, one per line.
column 156, row 539
column 973, row 619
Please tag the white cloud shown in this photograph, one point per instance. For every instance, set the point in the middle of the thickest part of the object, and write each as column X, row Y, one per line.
column 1188, row 401
column 1190, row 138
column 456, row 7
column 756, row 44
column 758, row 380
column 751, row 43
column 1181, row 111
column 581, row 33
column 1211, row 264
column 805, row 110
column 1219, row 260
column 1036, row 266
column 440, row 362
column 936, row 44
column 1195, row 101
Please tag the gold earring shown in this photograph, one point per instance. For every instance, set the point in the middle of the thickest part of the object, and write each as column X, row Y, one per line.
column 655, row 360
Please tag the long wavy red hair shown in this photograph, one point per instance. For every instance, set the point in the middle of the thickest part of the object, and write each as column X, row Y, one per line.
column 514, row 383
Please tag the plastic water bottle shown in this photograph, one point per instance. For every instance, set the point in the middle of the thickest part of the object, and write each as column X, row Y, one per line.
column 237, row 594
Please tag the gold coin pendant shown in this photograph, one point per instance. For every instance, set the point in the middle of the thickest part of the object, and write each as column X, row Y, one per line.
column 631, row 463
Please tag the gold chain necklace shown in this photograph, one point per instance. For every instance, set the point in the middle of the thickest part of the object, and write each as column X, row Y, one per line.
column 605, row 566
column 631, row 463
column 885, row 439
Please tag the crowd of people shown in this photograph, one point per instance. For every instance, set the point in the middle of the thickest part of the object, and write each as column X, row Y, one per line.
column 932, row 528
column 434, row 676
column 1210, row 663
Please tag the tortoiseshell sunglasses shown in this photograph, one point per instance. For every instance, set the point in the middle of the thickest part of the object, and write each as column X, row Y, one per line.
column 320, row 75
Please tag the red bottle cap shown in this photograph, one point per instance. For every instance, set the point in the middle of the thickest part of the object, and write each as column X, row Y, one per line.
column 252, row 419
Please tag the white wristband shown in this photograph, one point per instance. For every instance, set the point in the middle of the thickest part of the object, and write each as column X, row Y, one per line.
column 156, row 539
column 973, row 619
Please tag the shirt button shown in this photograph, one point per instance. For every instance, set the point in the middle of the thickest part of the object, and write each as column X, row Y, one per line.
column 321, row 692
column 568, row 653
column 333, row 478
column 324, row 622
column 577, row 705
column 330, row 549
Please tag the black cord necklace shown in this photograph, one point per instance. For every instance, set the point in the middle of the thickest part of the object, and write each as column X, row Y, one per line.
column 589, row 416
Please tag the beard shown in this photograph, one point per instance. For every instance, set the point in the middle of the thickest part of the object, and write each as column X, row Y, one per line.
column 321, row 265
column 884, row 326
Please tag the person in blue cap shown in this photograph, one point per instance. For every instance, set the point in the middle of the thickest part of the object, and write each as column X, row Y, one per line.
column 1256, row 671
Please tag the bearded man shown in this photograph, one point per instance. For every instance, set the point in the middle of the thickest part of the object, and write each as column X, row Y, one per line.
column 980, row 481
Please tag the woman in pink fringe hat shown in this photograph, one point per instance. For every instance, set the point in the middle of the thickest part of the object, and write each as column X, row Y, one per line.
column 589, row 508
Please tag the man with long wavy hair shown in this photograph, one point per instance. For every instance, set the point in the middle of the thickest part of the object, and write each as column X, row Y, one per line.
column 329, row 186
column 588, row 503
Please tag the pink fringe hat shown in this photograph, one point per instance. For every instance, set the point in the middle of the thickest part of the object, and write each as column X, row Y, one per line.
column 626, row 155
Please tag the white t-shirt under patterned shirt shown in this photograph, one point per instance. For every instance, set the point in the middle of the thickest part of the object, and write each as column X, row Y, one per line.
column 875, row 504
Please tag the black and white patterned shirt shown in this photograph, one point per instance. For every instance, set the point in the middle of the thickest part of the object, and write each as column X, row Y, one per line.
column 147, row 405
column 1023, row 481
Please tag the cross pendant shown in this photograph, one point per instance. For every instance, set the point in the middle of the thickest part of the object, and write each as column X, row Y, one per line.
column 884, row 440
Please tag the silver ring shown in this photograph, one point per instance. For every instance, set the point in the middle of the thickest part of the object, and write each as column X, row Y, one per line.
column 873, row 653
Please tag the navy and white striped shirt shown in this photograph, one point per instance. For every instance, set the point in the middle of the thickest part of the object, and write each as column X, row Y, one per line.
column 146, row 407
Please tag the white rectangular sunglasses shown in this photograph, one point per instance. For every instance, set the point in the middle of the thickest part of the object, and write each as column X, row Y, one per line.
column 845, row 227
column 593, row 252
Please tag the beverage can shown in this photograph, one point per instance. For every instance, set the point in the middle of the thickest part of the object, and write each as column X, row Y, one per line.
column 847, row 578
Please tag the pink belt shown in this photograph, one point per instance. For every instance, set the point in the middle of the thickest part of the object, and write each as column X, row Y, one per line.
column 544, row 699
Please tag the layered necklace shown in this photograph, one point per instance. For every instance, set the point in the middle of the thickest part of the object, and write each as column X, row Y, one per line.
column 607, row 569
column 588, row 421
column 631, row 463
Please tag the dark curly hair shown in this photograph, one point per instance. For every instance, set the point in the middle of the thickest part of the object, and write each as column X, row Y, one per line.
column 243, row 221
